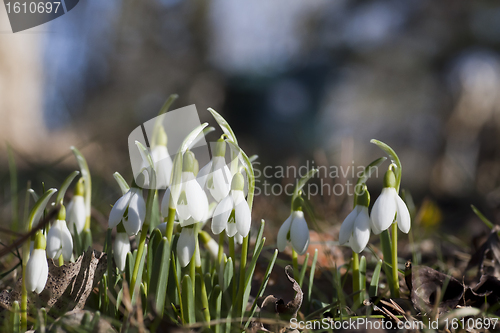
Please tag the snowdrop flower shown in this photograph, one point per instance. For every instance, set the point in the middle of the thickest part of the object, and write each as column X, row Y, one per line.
column 232, row 213
column 59, row 240
column 294, row 230
column 356, row 227
column 37, row 269
column 186, row 245
column 218, row 181
column 162, row 160
column 129, row 209
column 76, row 209
column 121, row 247
column 192, row 200
column 388, row 205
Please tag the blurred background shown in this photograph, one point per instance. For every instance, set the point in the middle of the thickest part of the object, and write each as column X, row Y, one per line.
column 298, row 81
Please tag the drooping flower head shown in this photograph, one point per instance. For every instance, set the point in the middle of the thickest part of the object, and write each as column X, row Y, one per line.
column 356, row 227
column 294, row 230
column 59, row 240
column 192, row 200
column 37, row 269
column 219, row 179
column 76, row 209
column 389, row 206
column 162, row 160
column 232, row 213
column 121, row 247
column 129, row 209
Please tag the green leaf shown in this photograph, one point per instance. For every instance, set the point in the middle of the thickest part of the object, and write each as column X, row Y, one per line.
column 311, row 276
column 168, row 103
column 303, row 269
column 362, row 276
column 65, row 185
column 375, row 279
column 15, row 317
column 483, row 218
column 394, row 158
column 129, row 267
column 84, row 169
column 302, row 182
column 263, row 286
column 33, row 194
column 159, row 276
column 39, row 207
column 216, row 299
column 249, row 275
column 188, row 300
column 243, row 158
column 258, row 239
column 224, row 125
column 228, row 274
column 121, row 182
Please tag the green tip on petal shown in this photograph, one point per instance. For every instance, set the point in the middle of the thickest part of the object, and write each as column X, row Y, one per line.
column 238, row 182
column 363, row 198
column 220, row 148
column 162, row 137
column 40, row 242
column 62, row 213
column 80, row 187
column 188, row 161
column 297, row 204
column 390, row 179
column 120, row 228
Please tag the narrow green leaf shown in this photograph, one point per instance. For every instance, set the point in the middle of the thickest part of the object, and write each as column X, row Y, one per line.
column 188, row 299
column 65, row 185
column 15, row 316
column 168, row 103
column 224, row 125
column 217, row 299
column 249, row 274
column 86, row 239
column 159, row 276
column 121, row 182
column 311, row 276
column 483, row 218
column 77, row 242
column 385, row 241
column 139, row 272
column 33, row 194
column 263, row 286
column 362, row 276
column 303, row 269
column 375, row 279
column 259, row 236
column 228, row 274
column 129, row 267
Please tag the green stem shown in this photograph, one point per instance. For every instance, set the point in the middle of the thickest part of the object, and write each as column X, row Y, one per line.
column 243, row 264
column 24, row 291
column 295, row 262
column 204, row 297
column 61, row 260
column 233, row 258
column 170, row 223
column 142, row 240
column 395, row 276
column 355, row 279
column 221, row 248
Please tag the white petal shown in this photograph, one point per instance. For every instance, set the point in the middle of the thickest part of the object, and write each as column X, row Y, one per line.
column 163, row 166
column 34, row 270
column 384, row 210
column 120, row 249
column 221, row 179
column 54, row 243
column 238, row 239
column 221, row 215
column 164, row 203
column 43, row 275
column 163, row 228
column 136, row 214
column 231, row 229
column 241, row 213
column 403, row 215
column 67, row 241
column 283, row 233
column 196, row 200
column 182, row 206
column 347, row 226
column 76, row 213
column 299, row 233
column 118, row 210
column 361, row 231
column 203, row 174
column 185, row 246
column 189, row 221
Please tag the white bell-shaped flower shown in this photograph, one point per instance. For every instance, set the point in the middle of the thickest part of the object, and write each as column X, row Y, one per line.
column 37, row 269
column 186, row 245
column 192, row 199
column 355, row 229
column 389, row 205
column 162, row 160
column 76, row 215
column 294, row 230
column 232, row 213
column 59, row 239
column 219, row 179
column 129, row 209
column 121, row 247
